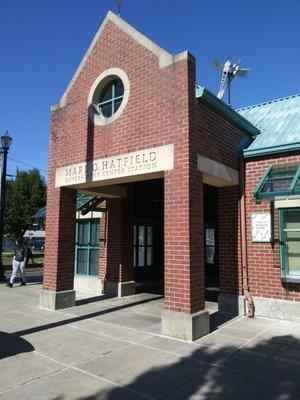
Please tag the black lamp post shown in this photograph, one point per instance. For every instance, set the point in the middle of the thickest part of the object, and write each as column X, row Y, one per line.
column 5, row 145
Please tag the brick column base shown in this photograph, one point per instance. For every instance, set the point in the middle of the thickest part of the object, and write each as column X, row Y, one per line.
column 184, row 325
column 120, row 289
column 57, row 300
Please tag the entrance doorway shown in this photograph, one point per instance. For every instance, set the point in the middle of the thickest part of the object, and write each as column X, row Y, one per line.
column 148, row 233
column 211, row 243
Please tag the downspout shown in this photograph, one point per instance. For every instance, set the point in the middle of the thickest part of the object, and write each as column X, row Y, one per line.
column 245, row 277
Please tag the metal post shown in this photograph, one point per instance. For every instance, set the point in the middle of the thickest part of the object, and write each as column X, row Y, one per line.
column 4, row 152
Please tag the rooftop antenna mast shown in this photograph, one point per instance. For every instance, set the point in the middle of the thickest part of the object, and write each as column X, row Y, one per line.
column 230, row 69
column 119, row 4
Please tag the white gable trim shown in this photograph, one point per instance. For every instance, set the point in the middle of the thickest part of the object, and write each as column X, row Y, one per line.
column 164, row 57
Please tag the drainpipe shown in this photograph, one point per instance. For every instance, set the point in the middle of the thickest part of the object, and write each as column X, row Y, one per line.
column 245, row 278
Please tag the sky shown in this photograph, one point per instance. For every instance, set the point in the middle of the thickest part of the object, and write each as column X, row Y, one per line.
column 43, row 41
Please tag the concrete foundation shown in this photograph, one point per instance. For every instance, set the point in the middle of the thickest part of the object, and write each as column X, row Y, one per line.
column 264, row 307
column 185, row 326
column 88, row 284
column 279, row 309
column 120, row 289
column 231, row 304
column 57, row 300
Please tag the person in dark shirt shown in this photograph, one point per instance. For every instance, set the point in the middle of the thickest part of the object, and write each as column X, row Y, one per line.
column 29, row 256
column 19, row 262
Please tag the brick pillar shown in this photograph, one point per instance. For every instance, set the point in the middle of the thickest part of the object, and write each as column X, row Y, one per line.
column 60, row 249
column 103, row 250
column 184, row 315
column 119, row 254
column 229, row 250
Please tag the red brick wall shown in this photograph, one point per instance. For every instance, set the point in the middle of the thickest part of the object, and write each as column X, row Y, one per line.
column 264, row 258
column 119, row 256
column 162, row 109
column 217, row 139
column 156, row 114
column 214, row 137
column 60, row 239
column 103, row 246
column 229, row 240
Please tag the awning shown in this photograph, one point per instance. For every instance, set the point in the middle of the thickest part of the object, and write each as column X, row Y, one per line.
column 278, row 183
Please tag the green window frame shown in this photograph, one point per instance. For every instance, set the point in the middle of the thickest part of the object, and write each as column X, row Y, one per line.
column 289, row 240
column 278, row 182
column 143, row 246
column 87, row 247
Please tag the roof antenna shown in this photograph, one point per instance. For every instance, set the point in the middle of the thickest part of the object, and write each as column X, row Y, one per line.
column 230, row 69
column 119, row 4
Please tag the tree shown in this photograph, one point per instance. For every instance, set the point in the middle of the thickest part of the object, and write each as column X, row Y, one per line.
column 24, row 197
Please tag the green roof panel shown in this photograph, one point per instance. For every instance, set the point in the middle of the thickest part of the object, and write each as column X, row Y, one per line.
column 279, row 125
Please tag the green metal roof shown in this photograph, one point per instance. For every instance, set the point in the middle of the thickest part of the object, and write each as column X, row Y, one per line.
column 279, row 125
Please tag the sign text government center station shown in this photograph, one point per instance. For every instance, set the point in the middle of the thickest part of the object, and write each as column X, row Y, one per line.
column 155, row 181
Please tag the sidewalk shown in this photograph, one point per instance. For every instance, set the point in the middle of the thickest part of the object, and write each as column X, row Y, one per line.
column 112, row 349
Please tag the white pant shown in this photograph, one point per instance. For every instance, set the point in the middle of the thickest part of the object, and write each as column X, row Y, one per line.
column 16, row 266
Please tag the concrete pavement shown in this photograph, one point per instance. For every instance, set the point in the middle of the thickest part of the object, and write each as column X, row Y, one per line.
column 112, row 349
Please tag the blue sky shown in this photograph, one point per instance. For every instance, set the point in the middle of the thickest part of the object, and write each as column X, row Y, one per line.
column 42, row 43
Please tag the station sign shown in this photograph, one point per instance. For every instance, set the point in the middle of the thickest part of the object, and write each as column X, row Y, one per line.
column 142, row 162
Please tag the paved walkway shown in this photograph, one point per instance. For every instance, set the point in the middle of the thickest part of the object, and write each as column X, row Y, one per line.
column 111, row 349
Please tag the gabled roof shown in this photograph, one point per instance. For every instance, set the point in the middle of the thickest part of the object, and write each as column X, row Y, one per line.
column 279, row 125
column 163, row 56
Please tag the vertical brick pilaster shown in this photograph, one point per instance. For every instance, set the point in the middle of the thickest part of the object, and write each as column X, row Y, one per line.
column 60, row 243
column 184, row 263
column 120, row 240
column 229, row 240
column 103, row 248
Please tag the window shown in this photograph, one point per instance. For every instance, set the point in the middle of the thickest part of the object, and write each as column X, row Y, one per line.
column 108, row 96
column 289, row 220
column 143, row 241
column 111, row 98
column 278, row 182
column 210, row 245
column 87, row 247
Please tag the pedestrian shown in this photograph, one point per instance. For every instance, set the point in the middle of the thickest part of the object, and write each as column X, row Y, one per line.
column 19, row 262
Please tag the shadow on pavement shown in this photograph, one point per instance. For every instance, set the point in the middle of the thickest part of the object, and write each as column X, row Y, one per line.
column 11, row 345
column 264, row 371
column 83, row 317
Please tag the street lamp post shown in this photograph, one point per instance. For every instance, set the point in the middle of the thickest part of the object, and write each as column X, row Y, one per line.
column 5, row 145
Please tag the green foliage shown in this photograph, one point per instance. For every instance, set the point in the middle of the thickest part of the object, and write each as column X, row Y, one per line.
column 24, row 197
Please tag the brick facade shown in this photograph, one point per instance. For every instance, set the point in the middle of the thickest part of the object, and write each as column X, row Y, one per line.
column 229, row 240
column 264, row 258
column 162, row 109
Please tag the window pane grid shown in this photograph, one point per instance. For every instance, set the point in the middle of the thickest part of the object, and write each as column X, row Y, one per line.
column 279, row 181
column 111, row 98
column 87, row 248
column 143, row 246
column 290, row 243
column 103, row 103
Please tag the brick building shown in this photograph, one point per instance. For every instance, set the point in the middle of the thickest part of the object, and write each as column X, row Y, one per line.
column 161, row 160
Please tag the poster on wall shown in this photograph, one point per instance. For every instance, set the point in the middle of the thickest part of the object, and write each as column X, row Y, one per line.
column 261, row 227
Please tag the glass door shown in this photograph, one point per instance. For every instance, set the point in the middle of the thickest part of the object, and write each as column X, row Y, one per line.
column 87, row 247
